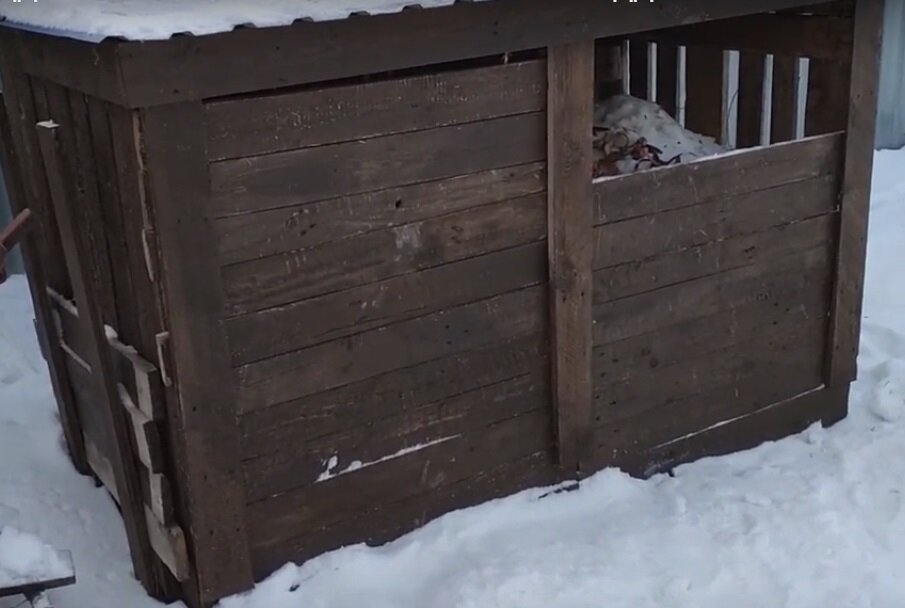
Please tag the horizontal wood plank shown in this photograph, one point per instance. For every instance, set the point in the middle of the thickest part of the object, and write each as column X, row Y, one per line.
column 292, row 178
column 772, row 244
column 305, row 463
column 644, row 237
column 777, row 281
column 371, row 353
column 633, row 401
column 819, row 37
column 301, row 511
column 744, row 171
column 387, row 521
column 266, row 429
column 286, row 278
column 283, row 329
column 273, row 123
column 256, row 235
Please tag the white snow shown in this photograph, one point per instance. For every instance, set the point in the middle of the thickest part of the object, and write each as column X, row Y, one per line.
column 25, row 558
column 160, row 19
column 815, row 520
column 626, row 120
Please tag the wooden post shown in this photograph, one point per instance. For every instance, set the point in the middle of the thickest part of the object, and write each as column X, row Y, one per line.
column 845, row 325
column 705, row 98
column 751, row 70
column 213, row 485
column 569, row 174
column 125, row 473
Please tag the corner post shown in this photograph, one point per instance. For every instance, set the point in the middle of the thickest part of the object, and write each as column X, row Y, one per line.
column 570, row 108
column 211, row 482
column 845, row 320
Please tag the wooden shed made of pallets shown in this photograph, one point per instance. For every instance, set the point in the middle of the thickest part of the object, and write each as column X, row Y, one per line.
column 317, row 283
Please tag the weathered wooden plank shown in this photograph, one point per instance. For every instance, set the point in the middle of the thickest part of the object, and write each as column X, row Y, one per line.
column 751, row 71
column 299, row 176
column 697, row 336
column 639, row 57
column 762, row 408
column 855, row 199
column 706, row 110
column 256, row 235
column 708, row 295
column 266, row 429
column 374, row 256
column 169, row 544
column 784, row 106
column 668, row 77
column 282, row 329
column 662, row 189
column 378, row 351
column 824, row 37
column 639, row 276
column 13, row 152
column 145, row 433
column 630, row 402
column 60, row 179
column 381, row 523
column 828, row 96
column 179, row 191
column 608, row 68
column 273, row 123
column 159, row 498
column 300, row 464
column 644, row 237
column 300, row 511
column 195, row 67
column 569, row 240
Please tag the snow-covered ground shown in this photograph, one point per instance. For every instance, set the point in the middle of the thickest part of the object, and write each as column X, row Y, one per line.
column 814, row 520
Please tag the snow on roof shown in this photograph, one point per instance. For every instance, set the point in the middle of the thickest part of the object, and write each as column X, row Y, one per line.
column 95, row 20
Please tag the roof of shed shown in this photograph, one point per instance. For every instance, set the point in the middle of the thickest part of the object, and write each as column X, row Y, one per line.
column 94, row 20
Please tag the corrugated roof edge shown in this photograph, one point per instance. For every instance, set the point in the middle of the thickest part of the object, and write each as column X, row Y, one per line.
column 95, row 38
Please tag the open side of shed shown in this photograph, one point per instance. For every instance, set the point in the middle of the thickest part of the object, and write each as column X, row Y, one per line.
column 305, row 286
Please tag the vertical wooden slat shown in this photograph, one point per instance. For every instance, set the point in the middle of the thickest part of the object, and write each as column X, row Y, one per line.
column 828, row 97
column 750, row 98
column 785, row 98
column 607, row 70
column 668, row 77
column 569, row 119
column 128, row 483
column 37, row 282
column 845, row 326
column 638, row 57
column 705, row 97
column 174, row 144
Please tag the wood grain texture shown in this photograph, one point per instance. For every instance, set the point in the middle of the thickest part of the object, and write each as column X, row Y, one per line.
column 266, row 430
column 357, row 357
column 246, row 60
column 828, row 96
column 60, row 180
column 274, row 123
column 255, row 235
column 292, row 178
column 785, row 98
column 13, row 150
column 824, row 37
column 706, row 110
column 668, row 231
column 569, row 218
column 751, row 71
column 650, row 192
column 177, row 165
column 639, row 56
column 279, row 330
column 649, row 311
column 429, row 469
column 346, row 263
column 855, row 199
column 303, row 463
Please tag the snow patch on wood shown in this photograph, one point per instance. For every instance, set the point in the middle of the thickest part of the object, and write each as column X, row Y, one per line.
column 330, row 465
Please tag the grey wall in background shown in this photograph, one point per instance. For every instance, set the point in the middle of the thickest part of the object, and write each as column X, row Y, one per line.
column 891, row 109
